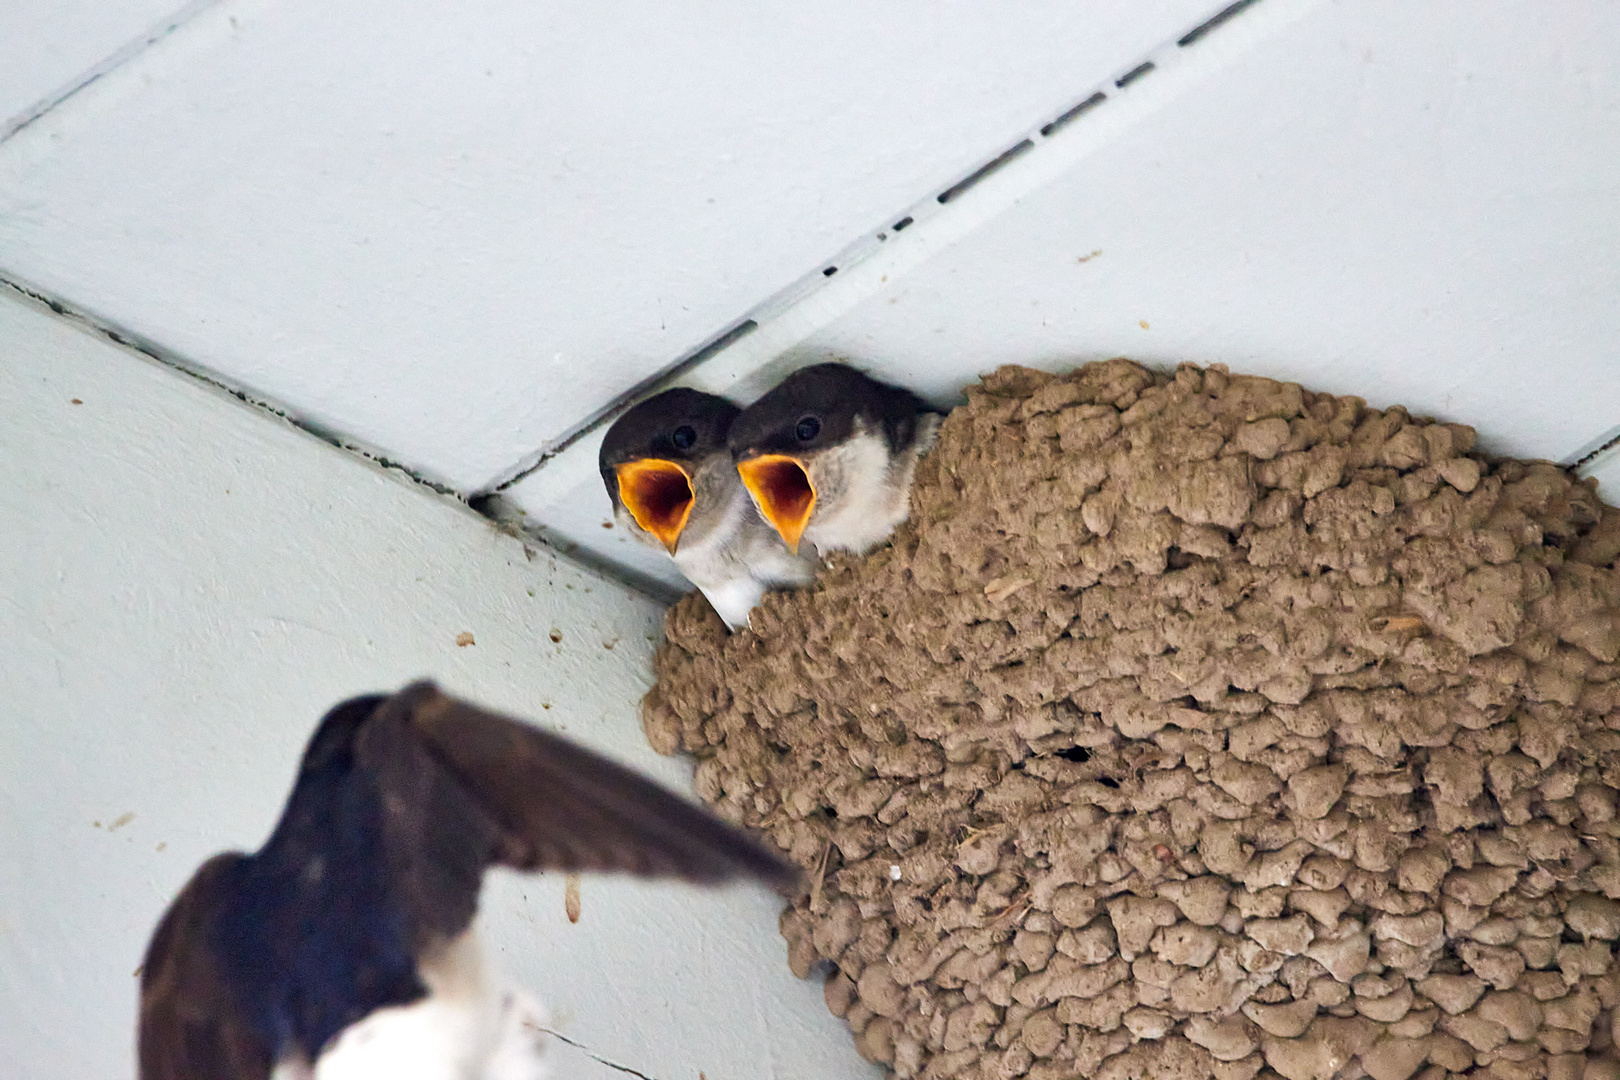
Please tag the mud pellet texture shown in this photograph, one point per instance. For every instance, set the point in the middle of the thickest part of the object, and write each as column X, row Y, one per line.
column 1194, row 726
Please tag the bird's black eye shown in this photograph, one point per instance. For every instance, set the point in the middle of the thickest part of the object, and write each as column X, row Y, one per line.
column 809, row 427
column 684, row 437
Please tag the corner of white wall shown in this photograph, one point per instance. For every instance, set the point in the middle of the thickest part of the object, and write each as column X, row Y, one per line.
column 184, row 588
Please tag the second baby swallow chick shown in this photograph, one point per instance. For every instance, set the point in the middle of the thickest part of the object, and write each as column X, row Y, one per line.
column 667, row 469
column 828, row 456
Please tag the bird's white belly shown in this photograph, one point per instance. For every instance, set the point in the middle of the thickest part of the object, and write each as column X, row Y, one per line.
column 467, row 1028
column 738, row 559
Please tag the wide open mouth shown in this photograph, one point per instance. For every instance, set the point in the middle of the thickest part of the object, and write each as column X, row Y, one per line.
column 658, row 494
column 783, row 492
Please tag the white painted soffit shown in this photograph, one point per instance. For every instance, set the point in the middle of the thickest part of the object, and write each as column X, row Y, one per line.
column 560, row 496
column 49, row 49
column 1416, row 203
column 451, row 237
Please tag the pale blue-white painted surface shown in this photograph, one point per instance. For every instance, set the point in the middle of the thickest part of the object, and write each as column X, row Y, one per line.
column 1414, row 203
column 184, row 589
column 452, row 232
column 49, row 48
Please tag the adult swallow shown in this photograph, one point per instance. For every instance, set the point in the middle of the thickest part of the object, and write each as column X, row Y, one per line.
column 343, row 947
column 667, row 469
column 828, row 456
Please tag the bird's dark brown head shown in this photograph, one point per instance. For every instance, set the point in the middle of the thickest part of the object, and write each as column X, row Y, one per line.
column 651, row 453
column 333, row 740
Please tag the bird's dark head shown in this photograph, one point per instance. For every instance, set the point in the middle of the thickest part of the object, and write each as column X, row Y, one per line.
column 324, row 772
column 333, row 741
column 777, row 440
column 651, row 455
column 811, row 409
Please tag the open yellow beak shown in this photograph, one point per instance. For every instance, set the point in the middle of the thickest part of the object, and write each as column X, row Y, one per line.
column 783, row 492
column 658, row 494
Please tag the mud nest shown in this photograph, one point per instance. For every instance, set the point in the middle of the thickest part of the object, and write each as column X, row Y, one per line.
column 1195, row 725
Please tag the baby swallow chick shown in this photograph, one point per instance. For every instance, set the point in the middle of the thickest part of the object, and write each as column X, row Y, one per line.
column 343, row 948
column 828, row 456
column 667, row 469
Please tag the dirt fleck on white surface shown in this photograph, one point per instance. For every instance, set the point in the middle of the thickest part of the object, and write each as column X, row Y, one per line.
column 571, row 898
column 1215, row 728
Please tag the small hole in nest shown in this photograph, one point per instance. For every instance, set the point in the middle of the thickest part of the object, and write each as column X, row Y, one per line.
column 1075, row 753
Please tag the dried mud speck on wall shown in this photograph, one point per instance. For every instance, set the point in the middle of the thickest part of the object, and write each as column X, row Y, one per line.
column 1193, row 726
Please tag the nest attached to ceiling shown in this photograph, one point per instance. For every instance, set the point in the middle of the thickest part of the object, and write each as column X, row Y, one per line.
column 1194, row 725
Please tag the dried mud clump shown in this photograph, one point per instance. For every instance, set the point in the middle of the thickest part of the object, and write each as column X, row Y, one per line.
column 1194, row 726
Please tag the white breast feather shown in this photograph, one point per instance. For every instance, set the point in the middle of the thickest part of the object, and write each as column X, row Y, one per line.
column 739, row 559
column 467, row 1028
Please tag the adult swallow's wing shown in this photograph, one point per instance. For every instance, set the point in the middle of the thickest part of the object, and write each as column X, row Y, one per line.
column 462, row 788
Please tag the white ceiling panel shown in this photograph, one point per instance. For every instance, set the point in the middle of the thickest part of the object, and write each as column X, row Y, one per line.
column 454, row 233
column 1414, row 203
column 562, row 498
column 48, row 48
column 1417, row 203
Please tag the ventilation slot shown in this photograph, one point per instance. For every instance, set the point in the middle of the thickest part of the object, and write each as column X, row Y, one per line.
column 1192, row 36
column 1084, row 107
column 983, row 171
column 1134, row 74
